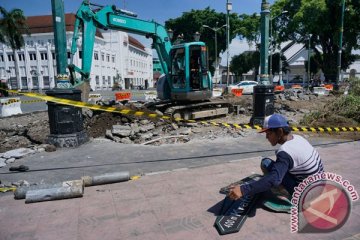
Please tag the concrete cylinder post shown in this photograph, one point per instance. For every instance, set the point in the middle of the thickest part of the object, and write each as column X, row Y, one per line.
column 72, row 191
column 106, row 178
column 20, row 192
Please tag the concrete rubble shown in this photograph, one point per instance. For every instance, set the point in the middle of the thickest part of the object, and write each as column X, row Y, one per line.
column 31, row 130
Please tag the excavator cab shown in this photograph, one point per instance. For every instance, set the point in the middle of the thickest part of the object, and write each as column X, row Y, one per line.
column 189, row 76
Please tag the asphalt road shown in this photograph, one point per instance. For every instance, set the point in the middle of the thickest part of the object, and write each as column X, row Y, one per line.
column 28, row 107
column 101, row 156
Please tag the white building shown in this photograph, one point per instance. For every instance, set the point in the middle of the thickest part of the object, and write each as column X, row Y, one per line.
column 117, row 57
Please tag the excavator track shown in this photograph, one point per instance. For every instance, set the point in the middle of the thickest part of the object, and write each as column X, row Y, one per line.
column 195, row 110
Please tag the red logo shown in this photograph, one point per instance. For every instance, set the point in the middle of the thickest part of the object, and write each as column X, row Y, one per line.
column 324, row 207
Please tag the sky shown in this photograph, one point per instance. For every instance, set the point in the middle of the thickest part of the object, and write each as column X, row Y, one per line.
column 157, row 10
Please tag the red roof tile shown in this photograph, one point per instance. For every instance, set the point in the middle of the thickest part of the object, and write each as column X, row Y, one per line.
column 136, row 43
column 44, row 24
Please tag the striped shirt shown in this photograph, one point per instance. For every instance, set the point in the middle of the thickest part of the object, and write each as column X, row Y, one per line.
column 296, row 157
column 305, row 159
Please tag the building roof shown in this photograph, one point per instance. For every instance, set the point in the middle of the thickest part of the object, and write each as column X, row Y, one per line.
column 136, row 43
column 44, row 24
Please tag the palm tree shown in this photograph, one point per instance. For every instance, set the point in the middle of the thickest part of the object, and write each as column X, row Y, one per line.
column 12, row 26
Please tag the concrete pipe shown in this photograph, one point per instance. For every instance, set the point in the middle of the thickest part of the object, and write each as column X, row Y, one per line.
column 76, row 189
column 106, row 178
column 20, row 193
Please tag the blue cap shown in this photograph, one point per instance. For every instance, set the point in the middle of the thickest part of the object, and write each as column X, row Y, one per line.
column 274, row 121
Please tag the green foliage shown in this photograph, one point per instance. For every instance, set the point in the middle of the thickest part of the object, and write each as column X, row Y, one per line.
column 354, row 87
column 249, row 28
column 345, row 109
column 347, row 106
column 12, row 26
column 193, row 21
column 321, row 19
column 245, row 62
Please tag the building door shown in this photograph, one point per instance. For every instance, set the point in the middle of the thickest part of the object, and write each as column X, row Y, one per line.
column 14, row 83
column 35, row 81
column 127, row 83
column 24, row 83
column 46, row 82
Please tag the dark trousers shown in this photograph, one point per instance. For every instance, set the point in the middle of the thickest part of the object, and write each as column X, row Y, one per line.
column 288, row 181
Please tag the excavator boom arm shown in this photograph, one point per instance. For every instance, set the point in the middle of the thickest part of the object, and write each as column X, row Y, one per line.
column 109, row 17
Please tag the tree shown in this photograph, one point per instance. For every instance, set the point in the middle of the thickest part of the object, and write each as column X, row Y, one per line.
column 12, row 26
column 193, row 21
column 321, row 19
column 244, row 62
column 276, row 64
column 249, row 29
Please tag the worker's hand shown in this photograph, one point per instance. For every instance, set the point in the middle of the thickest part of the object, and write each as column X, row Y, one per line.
column 235, row 192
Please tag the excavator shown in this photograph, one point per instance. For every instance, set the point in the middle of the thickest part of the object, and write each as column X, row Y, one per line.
column 185, row 89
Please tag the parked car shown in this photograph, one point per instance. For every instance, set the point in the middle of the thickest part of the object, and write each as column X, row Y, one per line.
column 246, row 86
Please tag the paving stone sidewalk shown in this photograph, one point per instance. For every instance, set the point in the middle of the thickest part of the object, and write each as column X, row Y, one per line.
column 180, row 204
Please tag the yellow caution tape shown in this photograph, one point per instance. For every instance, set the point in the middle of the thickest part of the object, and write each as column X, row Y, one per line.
column 7, row 189
column 154, row 115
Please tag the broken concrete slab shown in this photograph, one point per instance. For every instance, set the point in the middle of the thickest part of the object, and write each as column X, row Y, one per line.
column 18, row 153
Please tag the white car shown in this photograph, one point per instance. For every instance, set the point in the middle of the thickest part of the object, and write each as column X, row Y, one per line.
column 246, row 86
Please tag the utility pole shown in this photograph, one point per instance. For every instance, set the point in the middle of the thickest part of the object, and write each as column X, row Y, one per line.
column 228, row 9
column 338, row 75
column 216, row 29
column 264, row 48
column 271, row 37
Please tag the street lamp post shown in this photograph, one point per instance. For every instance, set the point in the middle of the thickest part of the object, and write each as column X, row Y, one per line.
column 336, row 87
column 264, row 49
column 216, row 29
column 309, row 54
column 271, row 39
column 280, row 69
column 228, row 9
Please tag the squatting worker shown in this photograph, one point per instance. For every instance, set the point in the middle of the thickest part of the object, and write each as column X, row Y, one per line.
column 295, row 160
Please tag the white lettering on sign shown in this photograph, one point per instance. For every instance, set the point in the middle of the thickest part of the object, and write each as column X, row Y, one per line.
column 119, row 20
column 57, row 19
column 229, row 223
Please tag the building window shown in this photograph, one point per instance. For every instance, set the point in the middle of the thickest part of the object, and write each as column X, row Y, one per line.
column 102, row 57
column 53, row 55
column 21, row 57
column 69, row 55
column 108, row 58
column 97, row 80
column 11, row 57
column 80, row 54
column 32, row 56
column 104, row 80
column 113, row 59
column 109, row 80
column 96, row 56
column 43, row 56
column 1, row 58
